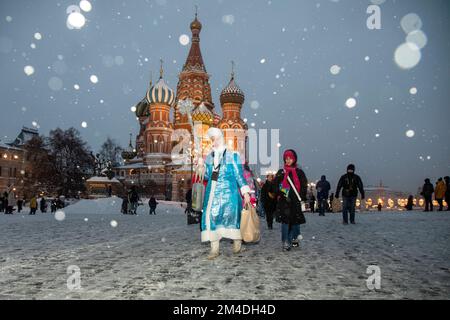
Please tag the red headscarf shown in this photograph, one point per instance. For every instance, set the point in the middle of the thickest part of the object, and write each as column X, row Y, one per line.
column 290, row 170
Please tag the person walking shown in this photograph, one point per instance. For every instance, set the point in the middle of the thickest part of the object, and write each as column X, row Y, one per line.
column 447, row 191
column 439, row 193
column 323, row 188
column 427, row 193
column 312, row 202
column 268, row 199
column 152, row 204
column 20, row 205
column 33, row 205
column 5, row 202
column 11, row 200
column 350, row 183
column 222, row 205
column 410, row 203
column 292, row 187
column 43, row 205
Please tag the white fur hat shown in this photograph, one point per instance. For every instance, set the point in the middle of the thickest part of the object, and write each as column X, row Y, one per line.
column 214, row 132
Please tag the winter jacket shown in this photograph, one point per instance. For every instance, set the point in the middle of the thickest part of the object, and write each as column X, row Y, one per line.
column 441, row 188
column 268, row 196
column 289, row 208
column 350, row 183
column 447, row 194
column 11, row 199
column 427, row 190
column 152, row 203
column 323, row 188
column 33, row 203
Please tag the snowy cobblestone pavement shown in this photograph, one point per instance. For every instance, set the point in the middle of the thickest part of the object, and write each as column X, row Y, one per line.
column 160, row 257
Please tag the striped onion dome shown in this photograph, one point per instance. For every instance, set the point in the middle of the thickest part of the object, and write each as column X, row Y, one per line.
column 142, row 108
column 232, row 93
column 217, row 119
column 202, row 114
column 160, row 93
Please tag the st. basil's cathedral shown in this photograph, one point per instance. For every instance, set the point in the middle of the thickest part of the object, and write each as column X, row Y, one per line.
column 150, row 165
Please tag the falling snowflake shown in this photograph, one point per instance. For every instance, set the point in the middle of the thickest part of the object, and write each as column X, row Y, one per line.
column 184, row 39
column 85, row 5
column 94, row 78
column 350, row 103
column 84, row 124
column 410, row 133
column 228, row 19
column 413, row 91
column 38, row 36
column 113, row 223
column 29, row 70
column 262, row 61
column 335, row 69
column 60, row 215
column 76, row 20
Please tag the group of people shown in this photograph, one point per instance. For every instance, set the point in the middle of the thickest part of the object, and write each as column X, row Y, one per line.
column 9, row 201
column 130, row 202
column 441, row 193
column 282, row 196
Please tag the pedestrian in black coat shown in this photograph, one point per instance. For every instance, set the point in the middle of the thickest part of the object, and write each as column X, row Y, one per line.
column 152, row 204
column 447, row 192
column 268, row 199
column 43, row 205
column 350, row 183
column 410, row 203
column 427, row 193
column 323, row 188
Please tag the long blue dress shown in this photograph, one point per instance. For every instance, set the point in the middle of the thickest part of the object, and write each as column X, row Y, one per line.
column 222, row 215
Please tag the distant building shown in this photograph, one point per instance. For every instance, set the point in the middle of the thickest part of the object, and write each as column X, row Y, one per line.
column 14, row 161
column 389, row 199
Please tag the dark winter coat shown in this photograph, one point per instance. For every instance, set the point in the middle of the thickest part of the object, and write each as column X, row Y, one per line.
column 268, row 202
column 152, row 203
column 350, row 183
column 289, row 209
column 427, row 190
column 447, row 194
column 323, row 188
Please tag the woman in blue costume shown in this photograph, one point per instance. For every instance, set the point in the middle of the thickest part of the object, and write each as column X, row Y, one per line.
column 222, row 205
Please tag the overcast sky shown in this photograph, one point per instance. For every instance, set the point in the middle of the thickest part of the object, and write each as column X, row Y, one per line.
column 284, row 53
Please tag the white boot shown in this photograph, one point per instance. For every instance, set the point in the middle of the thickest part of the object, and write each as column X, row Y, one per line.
column 237, row 246
column 214, row 253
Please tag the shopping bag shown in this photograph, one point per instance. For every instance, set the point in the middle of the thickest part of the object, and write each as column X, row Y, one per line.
column 250, row 225
column 198, row 193
column 336, row 205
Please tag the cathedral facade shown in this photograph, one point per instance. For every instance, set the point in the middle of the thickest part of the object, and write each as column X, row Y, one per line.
column 155, row 165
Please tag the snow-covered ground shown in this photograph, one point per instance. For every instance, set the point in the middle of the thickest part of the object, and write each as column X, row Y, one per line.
column 160, row 257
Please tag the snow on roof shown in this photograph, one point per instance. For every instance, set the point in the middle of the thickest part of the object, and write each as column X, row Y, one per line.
column 102, row 179
column 7, row 146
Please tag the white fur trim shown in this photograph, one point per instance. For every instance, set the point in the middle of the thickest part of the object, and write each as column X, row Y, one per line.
column 245, row 189
column 218, row 234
